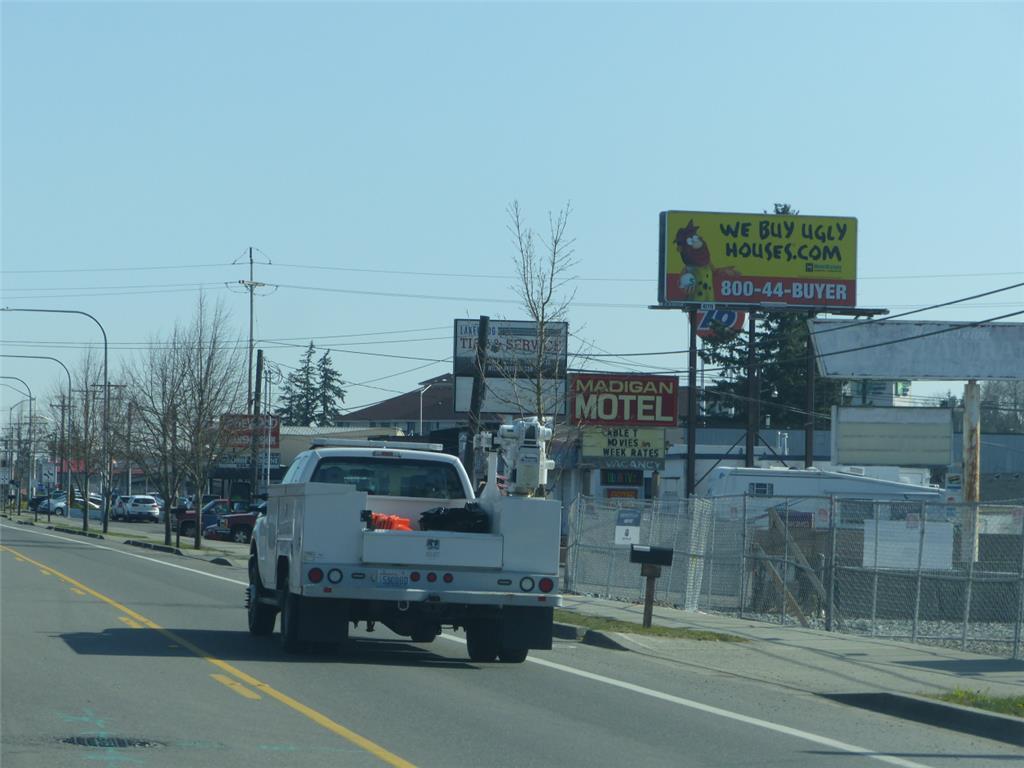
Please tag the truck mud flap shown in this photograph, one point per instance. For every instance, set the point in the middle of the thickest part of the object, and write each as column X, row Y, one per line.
column 323, row 621
column 524, row 627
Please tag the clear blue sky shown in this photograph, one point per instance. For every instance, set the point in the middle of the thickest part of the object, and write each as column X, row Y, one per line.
column 369, row 152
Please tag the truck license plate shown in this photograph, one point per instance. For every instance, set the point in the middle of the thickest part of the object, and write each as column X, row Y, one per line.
column 392, row 579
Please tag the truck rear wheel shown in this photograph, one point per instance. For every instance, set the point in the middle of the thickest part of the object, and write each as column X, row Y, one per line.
column 482, row 641
column 513, row 655
column 261, row 615
column 290, row 606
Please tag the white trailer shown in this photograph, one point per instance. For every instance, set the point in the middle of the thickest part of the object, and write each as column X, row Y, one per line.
column 345, row 540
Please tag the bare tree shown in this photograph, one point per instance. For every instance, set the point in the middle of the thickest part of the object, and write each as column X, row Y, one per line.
column 156, row 382
column 85, row 433
column 544, row 286
column 213, row 386
column 179, row 391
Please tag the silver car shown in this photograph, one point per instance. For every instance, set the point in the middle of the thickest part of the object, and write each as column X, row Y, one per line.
column 142, row 508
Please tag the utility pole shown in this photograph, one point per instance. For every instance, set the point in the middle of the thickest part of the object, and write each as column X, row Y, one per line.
column 250, row 285
column 477, row 396
column 254, row 433
column 753, row 390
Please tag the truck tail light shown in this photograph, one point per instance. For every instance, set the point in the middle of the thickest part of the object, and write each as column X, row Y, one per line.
column 448, row 578
column 546, row 585
column 414, row 576
column 315, row 575
column 431, row 577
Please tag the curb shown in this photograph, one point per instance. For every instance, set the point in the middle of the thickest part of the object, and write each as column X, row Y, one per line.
column 988, row 725
column 592, row 637
column 157, row 547
column 75, row 531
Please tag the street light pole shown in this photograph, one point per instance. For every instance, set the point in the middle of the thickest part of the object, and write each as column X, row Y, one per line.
column 67, row 459
column 421, row 407
column 31, row 458
column 106, row 403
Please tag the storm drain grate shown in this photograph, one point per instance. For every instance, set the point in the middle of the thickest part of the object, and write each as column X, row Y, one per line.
column 111, row 742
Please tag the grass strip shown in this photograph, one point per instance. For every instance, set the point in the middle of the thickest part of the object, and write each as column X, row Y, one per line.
column 604, row 624
column 1003, row 705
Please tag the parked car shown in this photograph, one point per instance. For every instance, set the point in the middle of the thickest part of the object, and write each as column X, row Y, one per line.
column 143, row 508
column 211, row 514
column 236, row 526
column 95, row 509
column 46, row 506
column 35, row 501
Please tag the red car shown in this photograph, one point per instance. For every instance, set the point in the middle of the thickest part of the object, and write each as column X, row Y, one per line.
column 212, row 512
column 236, row 526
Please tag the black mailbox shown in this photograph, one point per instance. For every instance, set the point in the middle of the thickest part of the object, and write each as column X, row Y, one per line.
column 650, row 555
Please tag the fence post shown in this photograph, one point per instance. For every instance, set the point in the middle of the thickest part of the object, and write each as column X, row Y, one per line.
column 967, row 596
column 874, row 573
column 784, row 569
column 743, row 558
column 1020, row 603
column 917, row 590
column 709, row 554
column 832, row 572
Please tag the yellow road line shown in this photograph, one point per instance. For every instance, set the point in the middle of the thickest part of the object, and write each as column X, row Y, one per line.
column 77, row 591
column 318, row 718
column 236, row 686
column 130, row 622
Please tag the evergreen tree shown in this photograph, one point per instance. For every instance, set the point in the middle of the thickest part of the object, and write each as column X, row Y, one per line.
column 329, row 393
column 300, row 393
column 780, row 354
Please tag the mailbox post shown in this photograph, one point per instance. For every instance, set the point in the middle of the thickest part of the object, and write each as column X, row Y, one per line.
column 651, row 559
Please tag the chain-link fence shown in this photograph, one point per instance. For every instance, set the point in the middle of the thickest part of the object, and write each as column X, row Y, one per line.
column 910, row 570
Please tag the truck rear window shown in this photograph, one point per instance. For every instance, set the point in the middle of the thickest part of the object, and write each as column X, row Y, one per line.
column 392, row 477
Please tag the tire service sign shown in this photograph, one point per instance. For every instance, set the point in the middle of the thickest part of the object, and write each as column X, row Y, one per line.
column 751, row 259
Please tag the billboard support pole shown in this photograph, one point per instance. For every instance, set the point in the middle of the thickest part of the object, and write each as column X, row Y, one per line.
column 972, row 467
column 753, row 415
column 691, row 409
column 809, row 401
column 477, row 396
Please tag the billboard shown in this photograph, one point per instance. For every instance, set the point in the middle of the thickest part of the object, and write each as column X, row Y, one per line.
column 611, row 399
column 918, row 350
column 757, row 259
column 894, row 436
column 515, row 359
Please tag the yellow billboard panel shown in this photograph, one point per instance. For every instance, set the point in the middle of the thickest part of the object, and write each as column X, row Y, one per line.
column 745, row 258
column 623, row 443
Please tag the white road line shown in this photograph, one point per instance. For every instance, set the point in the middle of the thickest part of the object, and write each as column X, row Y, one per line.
column 85, row 542
column 795, row 732
column 632, row 687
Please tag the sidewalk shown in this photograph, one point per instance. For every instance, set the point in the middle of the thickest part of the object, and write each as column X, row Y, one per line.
column 883, row 675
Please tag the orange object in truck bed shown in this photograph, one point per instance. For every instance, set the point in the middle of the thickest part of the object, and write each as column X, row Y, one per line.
column 389, row 522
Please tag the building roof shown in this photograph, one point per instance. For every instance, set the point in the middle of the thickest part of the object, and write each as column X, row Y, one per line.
column 437, row 404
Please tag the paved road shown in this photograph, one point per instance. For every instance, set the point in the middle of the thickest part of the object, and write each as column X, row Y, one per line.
column 101, row 641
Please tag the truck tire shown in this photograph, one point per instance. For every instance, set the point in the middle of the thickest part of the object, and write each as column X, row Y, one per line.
column 290, row 606
column 482, row 641
column 513, row 655
column 241, row 534
column 261, row 615
column 425, row 634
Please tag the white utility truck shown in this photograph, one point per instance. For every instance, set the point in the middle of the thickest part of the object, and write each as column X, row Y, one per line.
column 392, row 532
